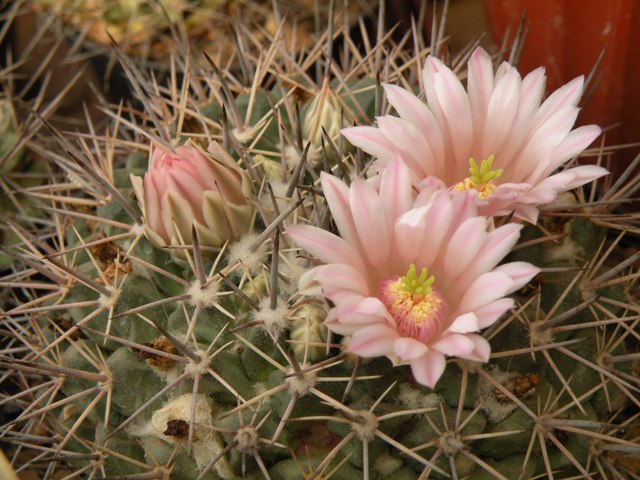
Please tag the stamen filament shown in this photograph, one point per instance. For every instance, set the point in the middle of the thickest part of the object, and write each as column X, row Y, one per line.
column 484, row 174
column 415, row 285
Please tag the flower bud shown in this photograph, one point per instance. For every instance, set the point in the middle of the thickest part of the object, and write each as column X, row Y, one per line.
column 190, row 188
column 308, row 333
column 325, row 110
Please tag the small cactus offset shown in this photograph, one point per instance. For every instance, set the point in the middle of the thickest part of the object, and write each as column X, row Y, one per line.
column 330, row 264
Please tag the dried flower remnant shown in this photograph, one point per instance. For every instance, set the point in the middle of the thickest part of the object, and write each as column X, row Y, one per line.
column 171, row 423
column 155, row 360
column 501, row 120
column 411, row 279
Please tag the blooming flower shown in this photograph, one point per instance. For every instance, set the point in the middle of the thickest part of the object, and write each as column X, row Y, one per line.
column 188, row 188
column 500, row 118
column 411, row 279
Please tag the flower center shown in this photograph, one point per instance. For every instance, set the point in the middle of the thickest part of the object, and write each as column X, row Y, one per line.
column 418, row 308
column 481, row 179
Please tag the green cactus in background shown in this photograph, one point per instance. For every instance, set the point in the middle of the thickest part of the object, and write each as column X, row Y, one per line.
column 27, row 102
column 127, row 359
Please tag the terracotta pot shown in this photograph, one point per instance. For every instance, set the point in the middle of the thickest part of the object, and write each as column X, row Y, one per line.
column 567, row 36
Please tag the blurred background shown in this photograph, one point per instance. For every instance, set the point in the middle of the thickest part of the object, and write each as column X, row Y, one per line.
column 595, row 38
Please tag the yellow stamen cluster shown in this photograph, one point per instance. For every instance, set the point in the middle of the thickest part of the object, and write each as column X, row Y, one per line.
column 417, row 308
column 481, row 178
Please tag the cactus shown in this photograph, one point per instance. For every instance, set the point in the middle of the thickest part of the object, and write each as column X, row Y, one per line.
column 127, row 357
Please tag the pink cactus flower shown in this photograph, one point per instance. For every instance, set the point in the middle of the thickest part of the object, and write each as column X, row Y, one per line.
column 496, row 139
column 188, row 188
column 412, row 279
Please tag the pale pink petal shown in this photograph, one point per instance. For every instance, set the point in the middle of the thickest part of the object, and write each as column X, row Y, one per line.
column 464, row 245
column 411, row 109
column 206, row 172
column 409, row 349
column 153, row 204
column 307, row 284
column 496, row 246
column 430, row 72
column 338, row 278
column 547, row 190
column 465, row 323
column 566, row 96
column 324, row 245
column 481, row 349
column 531, row 93
column 502, row 69
column 585, row 174
column 373, row 341
column 371, row 140
column 546, row 142
column 187, row 167
column 453, row 345
column 332, row 322
column 532, row 90
column 184, row 185
column 519, row 272
column 428, row 369
column 485, row 289
column 465, row 206
column 158, row 180
column 427, row 190
column 395, row 188
column 369, row 306
column 488, row 314
column 538, row 149
column 501, row 114
column 337, row 196
column 410, row 233
column 479, row 88
column 528, row 213
column 573, row 145
column 355, row 313
column 177, row 216
column 439, row 217
column 371, row 222
column 409, row 143
column 499, row 206
column 454, row 103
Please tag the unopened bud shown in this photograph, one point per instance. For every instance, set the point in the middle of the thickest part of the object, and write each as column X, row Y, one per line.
column 325, row 110
column 190, row 188
column 308, row 333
